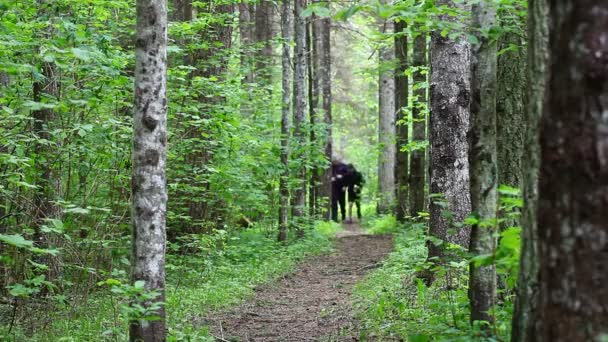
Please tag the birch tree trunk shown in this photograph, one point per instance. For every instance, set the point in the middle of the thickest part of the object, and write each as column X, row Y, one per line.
column 402, row 126
column 417, row 167
column 483, row 164
column 149, row 193
column 526, row 303
column 287, row 32
column 299, row 108
column 449, row 122
column 386, row 124
column 573, row 188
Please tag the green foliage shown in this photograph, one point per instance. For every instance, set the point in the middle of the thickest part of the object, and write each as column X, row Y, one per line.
column 383, row 224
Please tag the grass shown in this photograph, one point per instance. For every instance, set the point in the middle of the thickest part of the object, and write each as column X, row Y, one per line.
column 213, row 278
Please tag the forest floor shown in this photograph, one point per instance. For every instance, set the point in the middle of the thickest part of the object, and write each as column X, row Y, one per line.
column 313, row 303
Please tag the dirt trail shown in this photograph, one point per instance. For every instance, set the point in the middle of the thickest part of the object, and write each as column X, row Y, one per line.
column 312, row 303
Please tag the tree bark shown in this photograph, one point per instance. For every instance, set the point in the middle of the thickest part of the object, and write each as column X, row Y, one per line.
column 418, row 170
column 263, row 34
column 386, row 124
column 526, row 303
column 299, row 109
column 326, row 100
column 246, row 30
column 149, row 193
column 573, row 188
column 402, row 125
column 287, row 32
column 449, row 122
column 483, row 164
column 313, row 41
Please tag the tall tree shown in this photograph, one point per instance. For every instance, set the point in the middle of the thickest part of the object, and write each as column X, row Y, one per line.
column 246, row 31
column 483, row 162
column 264, row 14
column 149, row 193
column 526, row 302
column 324, row 51
column 313, row 42
column 449, row 122
column 386, row 123
column 417, row 168
column 572, row 216
column 299, row 107
column 287, row 32
column 401, row 137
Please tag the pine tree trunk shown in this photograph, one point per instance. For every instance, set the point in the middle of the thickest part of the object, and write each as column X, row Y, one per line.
column 313, row 61
column 402, row 126
column 287, row 32
column 449, row 122
column 483, row 164
column 526, row 303
column 299, row 109
column 418, row 170
column 263, row 34
column 149, row 193
column 573, row 187
column 386, row 125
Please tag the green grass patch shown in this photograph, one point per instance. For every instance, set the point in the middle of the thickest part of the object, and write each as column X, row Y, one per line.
column 383, row 224
column 392, row 303
column 217, row 272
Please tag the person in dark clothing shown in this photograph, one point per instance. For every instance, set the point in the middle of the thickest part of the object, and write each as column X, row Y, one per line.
column 339, row 185
column 355, row 185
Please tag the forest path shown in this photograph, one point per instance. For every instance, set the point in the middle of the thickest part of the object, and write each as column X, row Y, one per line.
column 313, row 302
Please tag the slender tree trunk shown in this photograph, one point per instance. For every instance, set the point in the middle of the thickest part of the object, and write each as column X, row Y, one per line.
column 299, row 109
column 287, row 32
column 149, row 193
column 325, row 89
column 386, row 124
column 402, row 125
column 313, row 61
column 449, row 122
column 482, row 159
column 418, row 170
column 526, row 302
column 573, row 188
column 246, row 30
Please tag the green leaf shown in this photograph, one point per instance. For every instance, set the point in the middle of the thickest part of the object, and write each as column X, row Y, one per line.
column 16, row 240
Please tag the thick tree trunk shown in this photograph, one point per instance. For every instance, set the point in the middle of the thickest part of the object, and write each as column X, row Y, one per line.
column 263, row 34
column 510, row 109
column 483, row 167
column 573, row 188
column 418, row 170
column 449, row 122
column 526, row 302
column 386, row 124
column 402, row 126
column 287, row 32
column 149, row 193
column 299, row 108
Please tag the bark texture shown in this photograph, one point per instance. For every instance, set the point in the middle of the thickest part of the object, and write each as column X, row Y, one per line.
column 287, row 32
column 402, row 126
column 417, row 167
column 449, row 164
column 526, row 302
column 326, row 100
column 263, row 35
column 573, row 187
column 299, row 108
column 386, row 125
column 149, row 193
column 246, row 30
column 483, row 164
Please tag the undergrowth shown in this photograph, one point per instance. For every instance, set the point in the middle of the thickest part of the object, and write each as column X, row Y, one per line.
column 392, row 303
column 204, row 273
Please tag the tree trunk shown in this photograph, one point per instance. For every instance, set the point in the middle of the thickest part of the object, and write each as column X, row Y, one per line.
column 325, row 89
column 313, row 61
column 246, row 30
column 149, row 193
column 418, row 170
column 449, row 122
column 263, row 34
column 386, row 124
column 287, row 29
column 483, row 167
column 526, row 303
column 402, row 125
column 573, row 188
column 299, row 109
